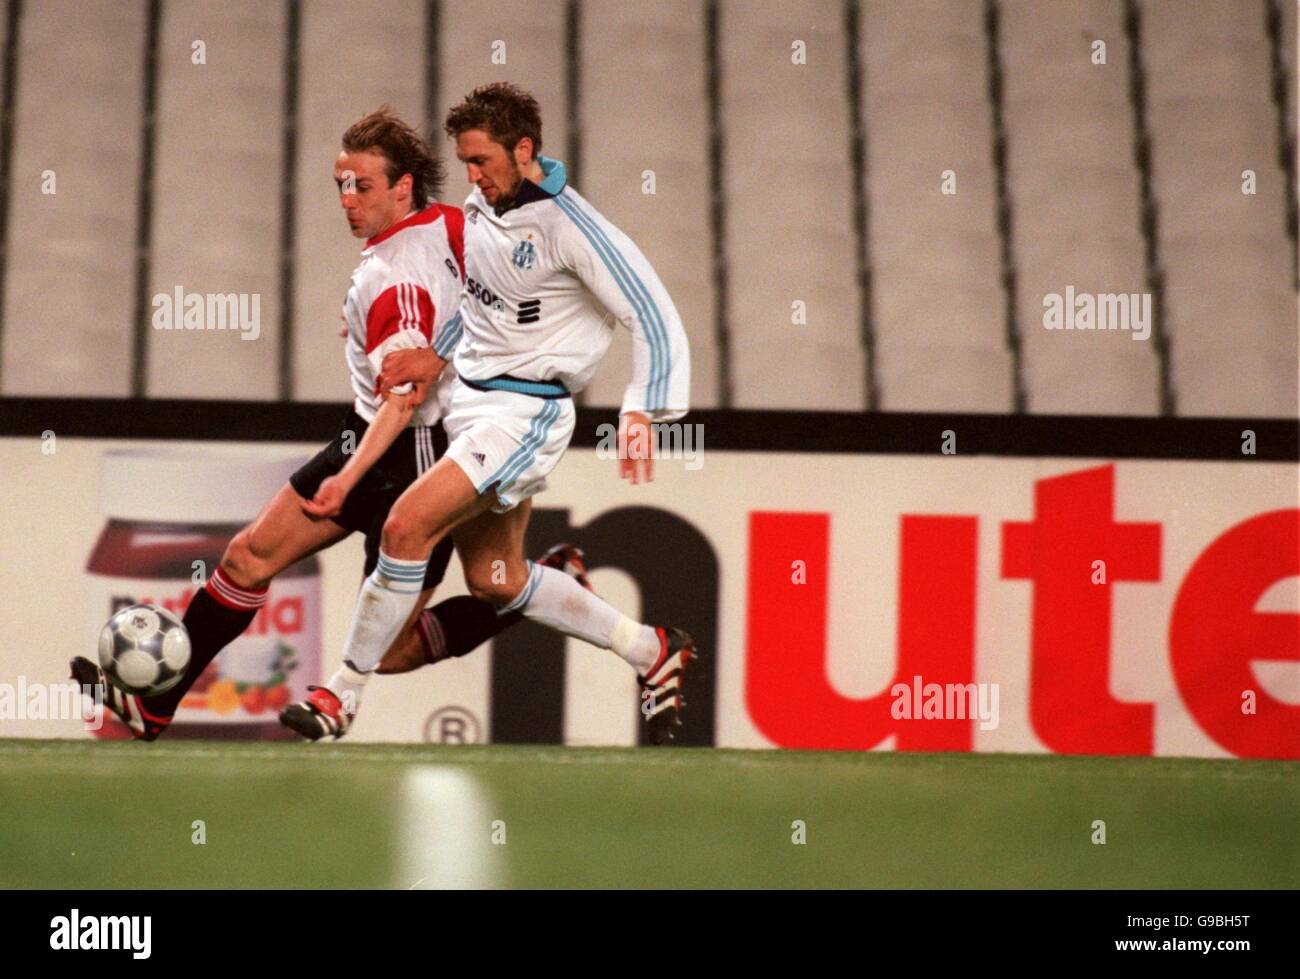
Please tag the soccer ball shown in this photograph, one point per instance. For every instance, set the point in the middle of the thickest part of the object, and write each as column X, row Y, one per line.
column 144, row 650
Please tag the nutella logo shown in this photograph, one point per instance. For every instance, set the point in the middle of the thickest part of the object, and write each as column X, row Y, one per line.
column 282, row 616
column 1214, row 633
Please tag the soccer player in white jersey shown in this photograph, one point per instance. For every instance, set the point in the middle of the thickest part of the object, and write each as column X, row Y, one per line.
column 542, row 267
column 404, row 295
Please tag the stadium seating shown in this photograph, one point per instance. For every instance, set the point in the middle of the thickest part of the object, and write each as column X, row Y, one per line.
column 1074, row 185
column 787, row 184
column 938, row 308
column 345, row 73
column 1225, row 253
column 658, row 51
column 1057, row 42
column 218, row 192
column 71, row 253
column 928, row 291
column 530, row 36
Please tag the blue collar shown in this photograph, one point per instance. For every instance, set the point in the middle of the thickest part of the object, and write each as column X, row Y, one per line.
column 553, row 181
column 554, row 175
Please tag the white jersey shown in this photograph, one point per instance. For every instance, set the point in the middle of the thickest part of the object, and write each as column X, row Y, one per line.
column 538, row 281
column 405, row 294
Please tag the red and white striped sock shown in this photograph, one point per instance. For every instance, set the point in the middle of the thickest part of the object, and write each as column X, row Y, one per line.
column 234, row 596
column 216, row 616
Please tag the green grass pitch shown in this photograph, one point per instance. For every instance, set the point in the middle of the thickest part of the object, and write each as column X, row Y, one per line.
column 83, row 814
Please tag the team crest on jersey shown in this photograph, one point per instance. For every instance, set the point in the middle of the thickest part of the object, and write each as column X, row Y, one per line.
column 525, row 255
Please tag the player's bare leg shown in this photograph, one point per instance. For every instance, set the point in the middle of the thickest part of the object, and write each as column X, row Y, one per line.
column 460, row 624
column 491, row 552
column 390, row 598
column 453, row 627
column 430, row 508
column 491, row 549
column 279, row 537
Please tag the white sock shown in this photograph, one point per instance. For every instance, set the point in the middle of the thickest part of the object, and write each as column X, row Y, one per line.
column 554, row 599
column 348, row 685
column 385, row 602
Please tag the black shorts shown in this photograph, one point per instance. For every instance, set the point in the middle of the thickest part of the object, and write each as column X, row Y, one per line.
column 412, row 453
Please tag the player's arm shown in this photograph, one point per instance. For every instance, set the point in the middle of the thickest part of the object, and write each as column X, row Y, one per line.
column 400, row 318
column 393, row 416
column 418, row 369
column 421, row 366
column 618, row 274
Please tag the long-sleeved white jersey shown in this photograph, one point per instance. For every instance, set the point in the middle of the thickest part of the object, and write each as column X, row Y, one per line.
column 538, row 281
column 404, row 294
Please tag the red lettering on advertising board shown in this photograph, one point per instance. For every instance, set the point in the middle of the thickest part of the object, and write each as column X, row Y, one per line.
column 1215, row 633
column 282, row 616
column 786, row 687
column 1070, row 704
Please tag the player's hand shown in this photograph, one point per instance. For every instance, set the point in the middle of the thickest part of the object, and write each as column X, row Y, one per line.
column 421, row 367
column 636, row 448
column 328, row 501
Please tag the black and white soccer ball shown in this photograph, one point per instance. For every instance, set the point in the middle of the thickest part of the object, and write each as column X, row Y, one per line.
column 144, row 650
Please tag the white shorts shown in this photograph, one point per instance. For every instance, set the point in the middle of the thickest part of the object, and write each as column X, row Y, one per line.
column 508, row 441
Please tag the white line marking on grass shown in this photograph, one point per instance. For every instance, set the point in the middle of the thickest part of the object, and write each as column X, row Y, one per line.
column 444, row 832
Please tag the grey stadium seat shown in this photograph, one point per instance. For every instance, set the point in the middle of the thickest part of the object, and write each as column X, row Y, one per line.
column 1074, row 188
column 217, row 192
column 937, row 304
column 345, row 73
column 657, row 51
column 77, row 113
column 781, row 245
column 1226, row 255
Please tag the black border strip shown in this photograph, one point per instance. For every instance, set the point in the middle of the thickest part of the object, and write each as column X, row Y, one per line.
column 13, row 25
column 889, row 433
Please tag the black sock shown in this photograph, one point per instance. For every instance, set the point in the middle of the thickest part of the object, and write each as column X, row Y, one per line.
column 468, row 622
column 212, row 626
